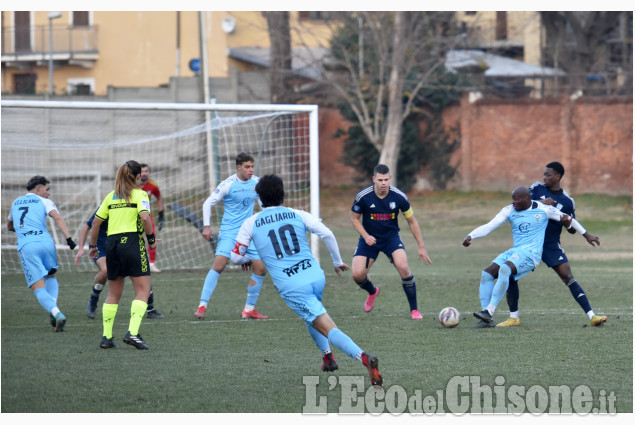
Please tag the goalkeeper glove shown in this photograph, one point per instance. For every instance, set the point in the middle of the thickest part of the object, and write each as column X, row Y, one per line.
column 161, row 220
column 70, row 243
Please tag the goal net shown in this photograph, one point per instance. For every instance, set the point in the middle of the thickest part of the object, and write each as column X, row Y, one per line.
column 190, row 149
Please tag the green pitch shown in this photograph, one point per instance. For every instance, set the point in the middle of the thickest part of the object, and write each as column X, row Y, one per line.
column 225, row 364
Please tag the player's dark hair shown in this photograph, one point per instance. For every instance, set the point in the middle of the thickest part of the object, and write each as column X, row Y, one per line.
column 381, row 169
column 126, row 179
column 144, row 166
column 557, row 167
column 35, row 181
column 270, row 189
column 243, row 157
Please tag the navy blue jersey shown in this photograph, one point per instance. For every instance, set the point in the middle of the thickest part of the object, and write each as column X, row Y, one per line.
column 380, row 216
column 101, row 238
column 564, row 203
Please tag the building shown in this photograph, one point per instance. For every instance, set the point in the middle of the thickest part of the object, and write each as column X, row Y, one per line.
column 91, row 51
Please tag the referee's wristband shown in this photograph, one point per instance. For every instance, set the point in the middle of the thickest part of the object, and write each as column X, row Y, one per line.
column 151, row 238
column 92, row 246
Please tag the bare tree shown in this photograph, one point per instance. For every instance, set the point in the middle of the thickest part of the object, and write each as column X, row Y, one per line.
column 279, row 56
column 379, row 64
column 589, row 42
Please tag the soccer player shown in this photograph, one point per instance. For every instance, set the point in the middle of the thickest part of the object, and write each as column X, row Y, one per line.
column 27, row 218
column 528, row 220
column 102, row 275
column 379, row 206
column 127, row 209
column 238, row 195
column 152, row 189
column 551, row 193
column 279, row 236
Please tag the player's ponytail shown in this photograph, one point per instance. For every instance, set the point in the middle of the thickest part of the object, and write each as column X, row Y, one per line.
column 126, row 179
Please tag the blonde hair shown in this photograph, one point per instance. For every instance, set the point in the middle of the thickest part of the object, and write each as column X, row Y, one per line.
column 126, row 179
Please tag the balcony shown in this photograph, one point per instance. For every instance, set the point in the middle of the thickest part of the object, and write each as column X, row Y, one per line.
column 73, row 45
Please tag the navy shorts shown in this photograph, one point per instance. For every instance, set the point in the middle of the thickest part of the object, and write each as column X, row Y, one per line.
column 553, row 254
column 387, row 246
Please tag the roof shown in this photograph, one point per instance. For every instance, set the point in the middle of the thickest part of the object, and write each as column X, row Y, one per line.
column 496, row 65
column 303, row 59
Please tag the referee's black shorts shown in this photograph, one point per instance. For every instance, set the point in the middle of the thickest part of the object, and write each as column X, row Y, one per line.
column 126, row 255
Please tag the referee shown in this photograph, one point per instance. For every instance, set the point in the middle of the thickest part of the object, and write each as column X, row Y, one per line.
column 127, row 209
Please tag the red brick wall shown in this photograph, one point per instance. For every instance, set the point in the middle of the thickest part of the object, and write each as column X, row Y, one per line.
column 506, row 143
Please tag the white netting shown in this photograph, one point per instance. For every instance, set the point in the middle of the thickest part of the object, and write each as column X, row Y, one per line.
column 189, row 153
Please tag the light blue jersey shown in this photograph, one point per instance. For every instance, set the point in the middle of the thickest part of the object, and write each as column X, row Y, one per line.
column 238, row 203
column 280, row 237
column 28, row 214
column 528, row 227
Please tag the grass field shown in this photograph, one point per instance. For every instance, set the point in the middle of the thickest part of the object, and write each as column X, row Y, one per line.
column 225, row 364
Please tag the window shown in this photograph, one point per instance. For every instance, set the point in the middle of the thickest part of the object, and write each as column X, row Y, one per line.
column 81, row 19
column 24, row 83
column 80, row 86
column 316, row 16
column 501, row 25
column 22, row 24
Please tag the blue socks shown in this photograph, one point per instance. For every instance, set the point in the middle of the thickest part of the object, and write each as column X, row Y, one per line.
column 579, row 295
column 210, row 284
column 486, row 288
column 52, row 287
column 320, row 340
column 45, row 299
column 367, row 286
column 513, row 294
column 343, row 342
column 409, row 287
column 502, row 283
column 253, row 292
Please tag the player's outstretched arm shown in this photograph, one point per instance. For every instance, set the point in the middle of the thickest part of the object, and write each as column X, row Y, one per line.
column 591, row 239
column 83, row 233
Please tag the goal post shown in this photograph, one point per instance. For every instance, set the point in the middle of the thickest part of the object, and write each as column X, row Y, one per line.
column 79, row 145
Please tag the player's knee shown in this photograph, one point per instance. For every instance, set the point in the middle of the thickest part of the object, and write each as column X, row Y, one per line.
column 505, row 271
column 486, row 276
column 359, row 277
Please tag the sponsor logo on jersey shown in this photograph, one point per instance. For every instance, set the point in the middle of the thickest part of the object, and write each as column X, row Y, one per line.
column 382, row 216
column 302, row 265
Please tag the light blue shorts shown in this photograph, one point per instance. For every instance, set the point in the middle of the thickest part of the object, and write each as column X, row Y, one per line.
column 39, row 260
column 518, row 257
column 305, row 300
column 225, row 245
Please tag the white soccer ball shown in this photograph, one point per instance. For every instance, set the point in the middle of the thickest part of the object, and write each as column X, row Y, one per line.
column 449, row 317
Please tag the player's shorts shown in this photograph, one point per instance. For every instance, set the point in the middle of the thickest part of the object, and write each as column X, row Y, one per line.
column 553, row 254
column 305, row 300
column 226, row 244
column 387, row 246
column 126, row 255
column 518, row 257
column 101, row 250
column 38, row 260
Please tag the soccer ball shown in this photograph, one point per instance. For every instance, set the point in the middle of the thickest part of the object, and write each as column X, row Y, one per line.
column 449, row 317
